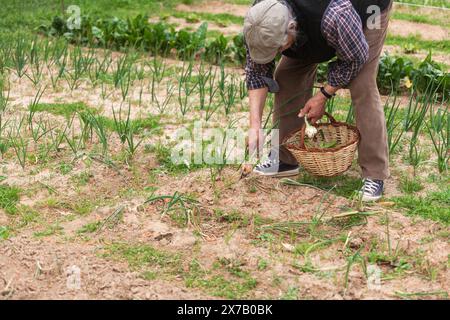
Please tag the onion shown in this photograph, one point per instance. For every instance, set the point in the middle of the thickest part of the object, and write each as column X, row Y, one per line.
column 310, row 130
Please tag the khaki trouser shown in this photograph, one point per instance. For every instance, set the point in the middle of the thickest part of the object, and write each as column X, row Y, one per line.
column 296, row 81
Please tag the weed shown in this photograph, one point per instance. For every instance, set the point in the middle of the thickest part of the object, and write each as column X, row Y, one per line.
column 5, row 233
column 290, row 294
column 262, row 264
column 61, row 109
column 49, row 231
column 410, row 185
column 434, row 206
column 237, row 287
column 89, row 228
column 9, row 197
column 144, row 258
column 181, row 208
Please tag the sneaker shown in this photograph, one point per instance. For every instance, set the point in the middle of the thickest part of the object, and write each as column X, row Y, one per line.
column 372, row 190
column 275, row 168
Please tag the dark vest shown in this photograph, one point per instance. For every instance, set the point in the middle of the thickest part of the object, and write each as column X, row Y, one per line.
column 311, row 45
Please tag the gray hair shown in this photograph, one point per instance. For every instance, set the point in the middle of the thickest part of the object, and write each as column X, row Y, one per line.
column 292, row 24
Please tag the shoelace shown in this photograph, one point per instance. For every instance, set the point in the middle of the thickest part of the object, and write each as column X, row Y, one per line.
column 266, row 164
column 371, row 185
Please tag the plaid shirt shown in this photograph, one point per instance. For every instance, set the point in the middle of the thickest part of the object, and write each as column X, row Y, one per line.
column 342, row 29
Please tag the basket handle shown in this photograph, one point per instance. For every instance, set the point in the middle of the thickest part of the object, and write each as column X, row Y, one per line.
column 330, row 118
column 302, row 132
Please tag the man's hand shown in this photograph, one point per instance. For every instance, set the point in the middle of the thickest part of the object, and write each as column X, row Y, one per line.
column 314, row 109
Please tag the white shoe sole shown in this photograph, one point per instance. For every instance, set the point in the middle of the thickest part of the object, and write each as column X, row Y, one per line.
column 288, row 173
column 367, row 198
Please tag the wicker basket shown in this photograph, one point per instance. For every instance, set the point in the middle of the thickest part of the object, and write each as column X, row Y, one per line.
column 318, row 159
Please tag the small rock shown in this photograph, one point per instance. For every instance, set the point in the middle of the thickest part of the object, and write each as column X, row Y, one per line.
column 131, row 219
column 355, row 243
column 288, row 247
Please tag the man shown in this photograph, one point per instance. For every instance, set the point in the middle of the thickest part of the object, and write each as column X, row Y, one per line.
column 308, row 32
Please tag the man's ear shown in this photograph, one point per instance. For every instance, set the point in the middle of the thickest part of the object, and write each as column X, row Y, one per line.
column 292, row 26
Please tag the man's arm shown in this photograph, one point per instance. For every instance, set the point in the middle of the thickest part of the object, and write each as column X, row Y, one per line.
column 259, row 82
column 257, row 99
column 343, row 30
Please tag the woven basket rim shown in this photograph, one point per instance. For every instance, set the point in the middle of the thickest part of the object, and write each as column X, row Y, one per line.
column 325, row 150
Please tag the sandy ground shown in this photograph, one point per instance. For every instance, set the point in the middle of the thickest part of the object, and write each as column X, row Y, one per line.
column 37, row 268
column 425, row 31
column 37, row 265
column 215, row 7
column 228, row 30
column 236, row 220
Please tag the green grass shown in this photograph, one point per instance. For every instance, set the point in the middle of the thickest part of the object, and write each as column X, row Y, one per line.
column 68, row 109
column 81, row 206
column 149, row 123
column 262, row 264
column 241, row 2
column 422, row 295
column 431, row 45
column 82, row 179
column 433, row 3
column 307, row 247
column 434, row 206
column 291, row 294
column 49, row 231
column 399, row 264
column 62, row 109
column 89, row 228
column 234, row 284
column 232, row 217
column 27, row 216
column 145, row 258
column 9, row 197
column 84, row 207
column 24, row 16
column 418, row 18
column 5, row 233
column 344, row 185
column 164, row 157
column 225, row 279
column 410, row 185
column 222, row 19
column 65, row 167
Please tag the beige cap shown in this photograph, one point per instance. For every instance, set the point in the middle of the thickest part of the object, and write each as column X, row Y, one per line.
column 265, row 27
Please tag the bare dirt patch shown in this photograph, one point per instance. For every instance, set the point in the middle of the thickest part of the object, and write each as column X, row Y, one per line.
column 180, row 23
column 425, row 31
column 38, row 270
column 215, row 7
column 437, row 14
column 421, row 54
column 36, row 267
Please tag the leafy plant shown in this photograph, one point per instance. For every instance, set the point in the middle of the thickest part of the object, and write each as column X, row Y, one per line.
column 391, row 71
column 9, row 197
column 126, row 130
column 4, row 93
column 185, row 87
column 181, row 208
column 393, row 126
column 439, row 131
column 18, row 142
column 217, row 50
